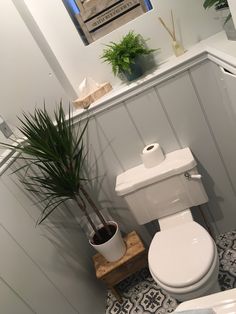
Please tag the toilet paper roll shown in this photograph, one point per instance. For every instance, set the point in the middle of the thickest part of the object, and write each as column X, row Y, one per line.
column 152, row 155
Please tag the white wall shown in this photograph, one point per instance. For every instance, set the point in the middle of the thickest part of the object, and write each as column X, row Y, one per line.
column 26, row 79
column 78, row 61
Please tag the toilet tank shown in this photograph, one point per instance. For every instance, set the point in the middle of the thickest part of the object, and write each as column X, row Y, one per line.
column 162, row 190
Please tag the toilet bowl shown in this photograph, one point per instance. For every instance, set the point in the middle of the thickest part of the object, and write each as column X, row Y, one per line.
column 183, row 261
column 182, row 257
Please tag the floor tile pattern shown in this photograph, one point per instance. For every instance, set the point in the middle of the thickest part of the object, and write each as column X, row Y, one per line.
column 142, row 295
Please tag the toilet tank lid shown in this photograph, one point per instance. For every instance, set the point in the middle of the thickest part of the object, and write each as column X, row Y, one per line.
column 138, row 177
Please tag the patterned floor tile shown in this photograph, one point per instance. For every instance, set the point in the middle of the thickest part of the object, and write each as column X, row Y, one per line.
column 141, row 295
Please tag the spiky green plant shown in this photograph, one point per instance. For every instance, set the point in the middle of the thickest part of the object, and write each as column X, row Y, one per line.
column 122, row 55
column 58, row 153
column 217, row 4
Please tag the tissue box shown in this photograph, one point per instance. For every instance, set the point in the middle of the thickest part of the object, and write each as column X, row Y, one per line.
column 86, row 101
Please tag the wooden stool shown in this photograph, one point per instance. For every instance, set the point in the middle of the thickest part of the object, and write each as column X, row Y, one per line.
column 112, row 273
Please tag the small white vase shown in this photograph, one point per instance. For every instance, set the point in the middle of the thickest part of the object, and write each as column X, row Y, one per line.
column 114, row 248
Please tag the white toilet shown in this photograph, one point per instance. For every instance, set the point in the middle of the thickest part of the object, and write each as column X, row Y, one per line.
column 182, row 257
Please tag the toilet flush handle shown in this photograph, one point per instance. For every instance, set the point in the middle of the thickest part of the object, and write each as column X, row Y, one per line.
column 192, row 176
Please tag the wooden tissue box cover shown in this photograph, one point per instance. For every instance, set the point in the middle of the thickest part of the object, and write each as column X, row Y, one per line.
column 89, row 99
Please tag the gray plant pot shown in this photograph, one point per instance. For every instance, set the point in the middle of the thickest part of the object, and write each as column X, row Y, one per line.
column 135, row 72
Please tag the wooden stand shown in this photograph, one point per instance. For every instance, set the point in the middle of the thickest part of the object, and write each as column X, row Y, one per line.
column 111, row 273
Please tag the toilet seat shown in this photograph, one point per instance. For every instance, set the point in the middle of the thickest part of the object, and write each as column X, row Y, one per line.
column 210, row 277
column 181, row 256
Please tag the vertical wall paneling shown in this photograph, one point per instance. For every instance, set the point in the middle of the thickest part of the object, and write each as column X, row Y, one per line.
column 28, row 201
column 60, row 251
column 101, row 157
column 150, row 119
column 106, row 166
column 184, row 110
column 122, row 135
column 229, row 82
column 70, row 241
column 220, row 113
column 18, row 270
column 103, row 166
column 11, row 302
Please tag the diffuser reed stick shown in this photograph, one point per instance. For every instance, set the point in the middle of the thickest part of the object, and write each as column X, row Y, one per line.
column 177, row 47
column 166, row 28
column 173, row 25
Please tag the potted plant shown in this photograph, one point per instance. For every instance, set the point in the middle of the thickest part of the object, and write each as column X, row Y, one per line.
column 57, row 151
column 223, row 7
column 124, row 56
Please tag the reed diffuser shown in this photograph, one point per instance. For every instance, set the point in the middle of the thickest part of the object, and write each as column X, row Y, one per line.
column 176, row 45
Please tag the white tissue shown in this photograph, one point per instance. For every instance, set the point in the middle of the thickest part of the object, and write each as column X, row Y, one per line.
column 152, row 155
column 87, row 86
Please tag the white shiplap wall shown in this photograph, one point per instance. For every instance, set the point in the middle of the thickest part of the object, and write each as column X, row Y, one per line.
column 213, row 91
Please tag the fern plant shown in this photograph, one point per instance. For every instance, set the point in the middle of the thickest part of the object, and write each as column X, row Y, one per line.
column 122, row 55
column 58, row 153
